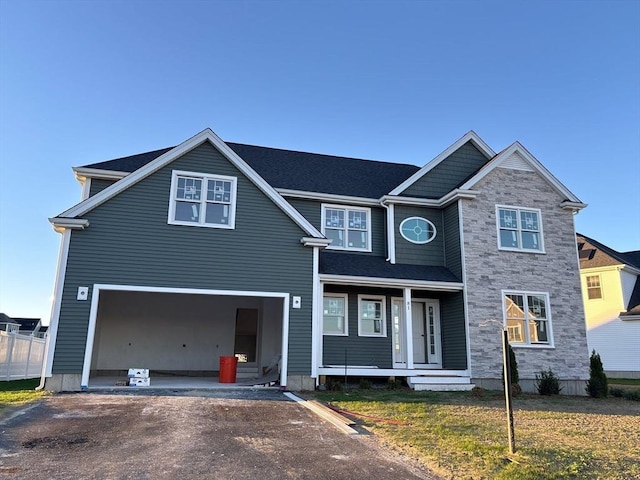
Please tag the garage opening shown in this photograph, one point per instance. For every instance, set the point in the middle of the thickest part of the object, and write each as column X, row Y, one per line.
column 180, row 337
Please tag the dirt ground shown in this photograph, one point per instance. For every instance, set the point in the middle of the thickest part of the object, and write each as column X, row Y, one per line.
column 168, row 435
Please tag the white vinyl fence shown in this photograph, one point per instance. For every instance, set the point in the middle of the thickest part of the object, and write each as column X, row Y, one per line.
column 21, row 356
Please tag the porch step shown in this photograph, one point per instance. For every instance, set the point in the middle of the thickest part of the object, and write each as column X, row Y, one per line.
column 440, row 383
column 247, row 370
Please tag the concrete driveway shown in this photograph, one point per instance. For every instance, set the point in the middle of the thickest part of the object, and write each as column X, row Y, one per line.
column 167, row 435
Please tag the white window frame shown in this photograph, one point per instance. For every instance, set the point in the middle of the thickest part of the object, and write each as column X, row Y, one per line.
column 588, row 288
column 347, row 209
column 204, row 177
column 375, row 298
column 527, row 343
column 519, row 229
column 418, row 242
column 345, row 297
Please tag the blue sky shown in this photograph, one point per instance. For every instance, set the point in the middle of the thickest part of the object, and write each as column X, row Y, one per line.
column 82, row 82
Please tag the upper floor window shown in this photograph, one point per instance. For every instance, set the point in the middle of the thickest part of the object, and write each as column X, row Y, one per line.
column 202, row 200
column 519, row 229
column 528, row 318
column 417, row 230
column 348, row 228
column 594, row 290
column 335, row 318
column 371, row 316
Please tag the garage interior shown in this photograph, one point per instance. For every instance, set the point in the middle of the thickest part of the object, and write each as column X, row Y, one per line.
column 180, row 338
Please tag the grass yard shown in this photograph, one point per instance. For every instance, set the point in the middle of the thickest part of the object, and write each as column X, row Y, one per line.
column 460, row 436
column 18, row 391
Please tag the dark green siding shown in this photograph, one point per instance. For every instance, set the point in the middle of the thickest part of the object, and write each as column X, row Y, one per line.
column 449, row 173
column 431, row 253
column 360, row 350
column 378, row 351
column 452, row 250
column 129, row 242
column 312, row 211
column 97, row 185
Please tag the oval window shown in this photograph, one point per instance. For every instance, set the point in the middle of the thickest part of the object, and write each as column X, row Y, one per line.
column 417, row 230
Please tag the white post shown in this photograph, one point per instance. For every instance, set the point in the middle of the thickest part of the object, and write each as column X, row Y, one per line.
column 408, row 327
column 26, row 372
column 11, row 346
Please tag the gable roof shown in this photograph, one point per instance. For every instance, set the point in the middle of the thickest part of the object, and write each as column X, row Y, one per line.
column 594, row 254
column 470, row 136
column 505, row 156
column 167, row 157
column 294, row 170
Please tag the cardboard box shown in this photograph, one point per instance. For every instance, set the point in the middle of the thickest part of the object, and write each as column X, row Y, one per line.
column 138, row 373
column 139, row 382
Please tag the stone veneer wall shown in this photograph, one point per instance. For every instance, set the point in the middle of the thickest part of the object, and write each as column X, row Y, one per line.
column 489, row 270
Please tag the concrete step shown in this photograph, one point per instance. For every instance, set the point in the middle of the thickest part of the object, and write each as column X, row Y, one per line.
column 439, row 387
column 438, row 380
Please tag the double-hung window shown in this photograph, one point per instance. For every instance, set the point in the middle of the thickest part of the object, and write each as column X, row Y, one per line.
column 519, row 229
column 334, row 314
column 348, row 228
column 594, row 290
column 203, row 200
column 371, row 316
column 528, row 318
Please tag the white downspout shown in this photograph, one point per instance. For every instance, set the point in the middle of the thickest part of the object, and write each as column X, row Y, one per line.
column 391, row 243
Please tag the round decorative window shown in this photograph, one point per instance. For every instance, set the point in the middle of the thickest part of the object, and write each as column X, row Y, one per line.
column 417, row 230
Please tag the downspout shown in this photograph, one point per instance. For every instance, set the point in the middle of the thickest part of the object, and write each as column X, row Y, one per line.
column 391, row 253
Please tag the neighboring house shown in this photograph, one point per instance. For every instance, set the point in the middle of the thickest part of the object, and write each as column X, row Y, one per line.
column 24, row 326
column 329, row 265
column 611, row 295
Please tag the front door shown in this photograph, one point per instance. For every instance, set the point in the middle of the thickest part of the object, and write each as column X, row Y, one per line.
column 425, row 324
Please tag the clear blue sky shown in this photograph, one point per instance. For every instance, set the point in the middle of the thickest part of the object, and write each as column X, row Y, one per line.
column 82, row 82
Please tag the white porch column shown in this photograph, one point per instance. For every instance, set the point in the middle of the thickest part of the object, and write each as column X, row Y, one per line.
column 408, row 327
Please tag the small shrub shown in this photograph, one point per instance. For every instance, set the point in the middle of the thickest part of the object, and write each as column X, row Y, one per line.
column 365, row 384
column 477, row 392
column 515, row 390
column 394, row 384
column 333, row 385
column 616, row 392
column 597, row 386
column 547, row 383
column 631, row 395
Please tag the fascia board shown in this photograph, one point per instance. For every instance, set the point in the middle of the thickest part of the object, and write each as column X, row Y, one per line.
column 184, row 147
column 391, row 282
column 469, row 136
column 529, row 158
column 426, row 202
column 315, row 242
column 69, row 223
column 100, row 174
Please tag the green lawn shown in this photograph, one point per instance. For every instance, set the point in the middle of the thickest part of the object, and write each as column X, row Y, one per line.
column 458, row 435
column 18, row 391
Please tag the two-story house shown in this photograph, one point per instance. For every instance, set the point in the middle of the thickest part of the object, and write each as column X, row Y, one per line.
column 320, row 264
column 611, row 296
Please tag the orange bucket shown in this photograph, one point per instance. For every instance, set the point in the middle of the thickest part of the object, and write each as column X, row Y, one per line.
column 228, row 368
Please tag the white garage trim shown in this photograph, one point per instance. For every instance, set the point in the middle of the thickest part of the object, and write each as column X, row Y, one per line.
column 93, row 316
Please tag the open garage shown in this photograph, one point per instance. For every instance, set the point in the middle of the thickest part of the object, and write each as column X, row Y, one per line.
column 183, row 333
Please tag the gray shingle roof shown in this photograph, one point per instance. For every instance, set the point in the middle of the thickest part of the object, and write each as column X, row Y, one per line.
column 310, row 172
column 354, row 264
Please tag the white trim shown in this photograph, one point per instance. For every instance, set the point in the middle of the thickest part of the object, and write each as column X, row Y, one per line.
column 202, row 202
column 464, row 290
column 537, row 166
column 315, row 242
column 391, row 282
column 527, row 336
column 469, row 136
column 383, row 310
column 95, row 298
column 443, row 201
column 388, row 372
column 86, row 187
column 418, row 242
column 317, row 338
column 315, row 288
column 61, row 272
column 346, row 209
column 573, row 206
column 408, row 327
column 391, row 234
column 60, row 224
column 345, row 297
column 328, row 197
column 401, row 334
column 519, row 229
column 186, row 146
column 99, row 173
